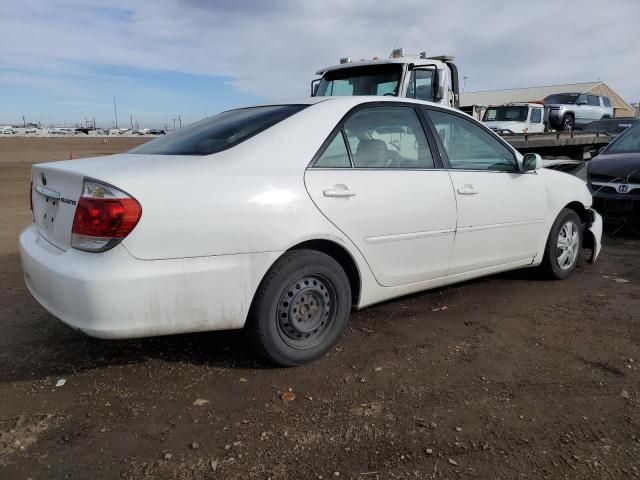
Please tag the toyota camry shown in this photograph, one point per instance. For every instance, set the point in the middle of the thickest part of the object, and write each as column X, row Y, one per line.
column 281, row 219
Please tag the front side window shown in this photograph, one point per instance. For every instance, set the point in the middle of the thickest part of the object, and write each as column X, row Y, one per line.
column 219, row 132
column 536, row 115
column 606, row 101
column 388, row 137
column 421, row 85
column 469, row 146
column 627, row 142
column 366, row 80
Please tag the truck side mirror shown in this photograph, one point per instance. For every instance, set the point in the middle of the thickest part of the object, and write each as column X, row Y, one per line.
column 314, row 86
column 440, row 85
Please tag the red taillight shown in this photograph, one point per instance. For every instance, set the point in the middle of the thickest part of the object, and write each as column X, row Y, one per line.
column 104, row 216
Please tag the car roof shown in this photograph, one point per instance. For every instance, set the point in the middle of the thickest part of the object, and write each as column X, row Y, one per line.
column 350, row 101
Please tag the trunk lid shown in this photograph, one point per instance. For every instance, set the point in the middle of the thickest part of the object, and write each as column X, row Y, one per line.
column 54, row 195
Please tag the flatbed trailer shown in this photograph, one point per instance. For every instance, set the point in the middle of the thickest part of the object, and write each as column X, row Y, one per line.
column 576, row 145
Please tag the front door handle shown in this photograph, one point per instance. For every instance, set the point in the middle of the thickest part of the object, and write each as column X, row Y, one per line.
column 339, row 191
column 468, row 190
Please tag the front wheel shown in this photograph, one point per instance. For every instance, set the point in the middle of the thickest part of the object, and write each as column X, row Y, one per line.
column 562, row 252
column 301, row 308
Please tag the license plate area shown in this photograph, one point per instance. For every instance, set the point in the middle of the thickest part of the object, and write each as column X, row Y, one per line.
column 45, row 208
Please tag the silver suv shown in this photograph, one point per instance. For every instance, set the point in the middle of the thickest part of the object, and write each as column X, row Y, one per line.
column 568, row 111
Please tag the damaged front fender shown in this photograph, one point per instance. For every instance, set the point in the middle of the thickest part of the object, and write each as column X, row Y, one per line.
column 592, row 237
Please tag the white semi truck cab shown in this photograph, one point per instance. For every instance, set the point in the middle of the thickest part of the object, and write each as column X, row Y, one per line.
column 434, row 79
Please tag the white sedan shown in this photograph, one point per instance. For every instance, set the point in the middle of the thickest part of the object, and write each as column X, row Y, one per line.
column 282, row 218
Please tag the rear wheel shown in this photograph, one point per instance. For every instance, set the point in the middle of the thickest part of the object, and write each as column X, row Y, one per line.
column 301, row 308
column 568, row 123
column 562, row 252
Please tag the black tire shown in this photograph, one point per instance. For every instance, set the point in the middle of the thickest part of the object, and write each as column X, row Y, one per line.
column 301, row 308
column 568, row 123
column 553, row 264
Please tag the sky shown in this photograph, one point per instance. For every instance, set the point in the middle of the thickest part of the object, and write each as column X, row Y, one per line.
column 62, row 61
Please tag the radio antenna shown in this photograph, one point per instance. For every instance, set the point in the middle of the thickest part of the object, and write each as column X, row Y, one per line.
column 403, row 32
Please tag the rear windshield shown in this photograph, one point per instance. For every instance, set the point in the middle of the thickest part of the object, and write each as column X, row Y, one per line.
column 562, row 98
column 219, row 132
column 627, row 142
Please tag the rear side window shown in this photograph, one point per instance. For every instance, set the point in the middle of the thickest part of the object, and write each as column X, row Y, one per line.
column 335, row 155
column 388, row 137
column 593, row 100
column 607, row 102
column 218, row 133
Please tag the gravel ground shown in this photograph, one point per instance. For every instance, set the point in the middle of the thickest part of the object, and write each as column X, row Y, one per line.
column 518, row 377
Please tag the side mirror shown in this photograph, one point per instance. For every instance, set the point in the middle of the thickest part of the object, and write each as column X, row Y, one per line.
column 314, row 86
column 531, row 162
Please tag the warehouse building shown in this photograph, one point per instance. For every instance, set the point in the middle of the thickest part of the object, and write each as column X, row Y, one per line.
column 475, row 102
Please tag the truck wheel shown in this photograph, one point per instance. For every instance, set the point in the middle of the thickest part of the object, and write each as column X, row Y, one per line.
column 562, row 252
column 568, row 124
column 301, row 308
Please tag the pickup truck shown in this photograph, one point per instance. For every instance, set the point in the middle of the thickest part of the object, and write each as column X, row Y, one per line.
column 515, row 118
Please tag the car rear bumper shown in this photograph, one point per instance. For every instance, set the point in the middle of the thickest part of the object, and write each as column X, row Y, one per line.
column 114, row 295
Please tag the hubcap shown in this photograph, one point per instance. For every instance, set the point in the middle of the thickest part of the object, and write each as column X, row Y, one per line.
column 568, row 245
column 306, row 310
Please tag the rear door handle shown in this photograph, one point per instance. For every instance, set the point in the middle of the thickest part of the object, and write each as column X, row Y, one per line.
column 468, row 190
column 339, row 191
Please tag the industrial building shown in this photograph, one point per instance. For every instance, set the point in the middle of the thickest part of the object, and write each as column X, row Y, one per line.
column 474, row 102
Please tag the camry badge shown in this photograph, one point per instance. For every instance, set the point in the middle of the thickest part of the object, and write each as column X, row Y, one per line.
column 43, row 177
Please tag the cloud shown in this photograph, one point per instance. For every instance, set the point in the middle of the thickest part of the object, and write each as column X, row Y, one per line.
column 272, row 49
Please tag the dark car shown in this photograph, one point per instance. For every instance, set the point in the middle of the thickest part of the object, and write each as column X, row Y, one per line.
column 612, row 126
column 614, row 178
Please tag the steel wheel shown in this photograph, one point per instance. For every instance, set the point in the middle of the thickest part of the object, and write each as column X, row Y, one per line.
column 305, row 311
column 568, row 245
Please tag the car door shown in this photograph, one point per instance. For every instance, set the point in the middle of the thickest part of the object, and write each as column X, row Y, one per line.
column 501, row 211
column 595, row 109
column 536, row 123
column 584, row 111
column 377, row 180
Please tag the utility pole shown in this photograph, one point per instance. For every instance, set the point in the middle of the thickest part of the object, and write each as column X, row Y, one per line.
column 24, row 122
column 180, row 120
column 174, row 123
column 115, row 111
column 131, row 119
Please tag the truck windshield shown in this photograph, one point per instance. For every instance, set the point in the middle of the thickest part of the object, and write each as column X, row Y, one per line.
column 562, row 98
column 506, row 113
column 366, row 80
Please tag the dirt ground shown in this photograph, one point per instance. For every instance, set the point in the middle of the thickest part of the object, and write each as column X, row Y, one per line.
column 518, row 377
